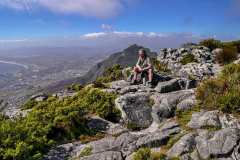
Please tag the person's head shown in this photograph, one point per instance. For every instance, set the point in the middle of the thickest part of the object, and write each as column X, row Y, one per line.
column 142, row 53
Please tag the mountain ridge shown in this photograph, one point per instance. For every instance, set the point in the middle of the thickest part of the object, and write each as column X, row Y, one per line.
column 127, row 57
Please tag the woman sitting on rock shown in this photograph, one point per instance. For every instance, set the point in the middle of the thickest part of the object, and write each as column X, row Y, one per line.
column 143, row 65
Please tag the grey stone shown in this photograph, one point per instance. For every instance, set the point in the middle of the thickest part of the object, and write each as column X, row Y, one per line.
column 166, row 104
column 61, row 152
column 205, row 119
column 221, row 143
column 185, row 145
column 170, row 86
column 187, row 104
column 102, row 125
column 39, row 97
column 136, row 109
column 156, row 139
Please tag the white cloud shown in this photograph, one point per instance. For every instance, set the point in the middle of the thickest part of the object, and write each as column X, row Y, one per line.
column 12, row 40
column 107, row 27
column 90, row 8
column 116, row 40
column 94, row 35
column 127, row 34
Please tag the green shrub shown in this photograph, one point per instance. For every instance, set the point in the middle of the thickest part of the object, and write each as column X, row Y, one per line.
column 87, row 151
column 99, row 102
column 228, row 55
column 146, row 154
column 222, row 92
column 133, row 126
column 234, row 44
column 211, row 44
column 75, row 87
column 188, row 58
column 111, row 74
column 184, row 116
column 53, row 121
column 160, row 67
column 29, row 104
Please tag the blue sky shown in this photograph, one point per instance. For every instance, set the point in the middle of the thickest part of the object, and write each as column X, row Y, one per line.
column 34, row 19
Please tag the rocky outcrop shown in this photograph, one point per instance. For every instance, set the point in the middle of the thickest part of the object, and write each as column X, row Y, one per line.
column 213, row 119
column 202, row 66
column 127, row 143
column 148, row 116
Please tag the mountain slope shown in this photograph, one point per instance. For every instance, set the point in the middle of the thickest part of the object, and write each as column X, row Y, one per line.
column 127, row 57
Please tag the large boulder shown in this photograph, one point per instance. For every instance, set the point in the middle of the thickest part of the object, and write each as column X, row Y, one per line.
column 122, row 87
column 185, row 145
column 170, row 86
column 63, row 151
column 218, row 144
column 136, row 109
column 156, row 139
column 205, row 119
column 99, row 124
column 187, row 103
column 166, row 104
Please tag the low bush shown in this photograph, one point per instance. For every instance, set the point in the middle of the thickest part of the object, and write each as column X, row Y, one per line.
column 29, row 104
column 234, row 44
column 160, row 67
column 147, row 154
column 111, row 74
column 87, row 151
column 228, row 55
column 188, row 58
column 222, row 92
column 75, row 87
column 53, row 121
column 211, row 43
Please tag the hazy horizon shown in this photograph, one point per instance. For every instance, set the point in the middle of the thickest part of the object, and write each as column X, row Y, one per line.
column 115, row 23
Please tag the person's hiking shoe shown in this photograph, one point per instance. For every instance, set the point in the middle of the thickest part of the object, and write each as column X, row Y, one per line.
column 149, row 84
column 133, row 83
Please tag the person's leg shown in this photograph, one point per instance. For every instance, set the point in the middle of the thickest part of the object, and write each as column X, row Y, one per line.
column 135, row 72
column 150, row 75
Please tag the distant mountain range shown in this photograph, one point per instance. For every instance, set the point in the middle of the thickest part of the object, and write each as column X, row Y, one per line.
column 127, row 57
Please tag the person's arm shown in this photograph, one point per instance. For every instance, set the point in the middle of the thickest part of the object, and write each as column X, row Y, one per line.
column 137, row 65
column 149, row 64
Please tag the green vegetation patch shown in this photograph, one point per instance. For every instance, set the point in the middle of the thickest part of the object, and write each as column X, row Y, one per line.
column 147, row 154
column 87, row 151
column 228, row 55
column 133, row 126
column 188, row 58
column 183, row 117
column 160, row 67
column 29, row 104
column 221, row 92
column 53, row 121
column 211, row 43
column 230, row 49
column 111, row 74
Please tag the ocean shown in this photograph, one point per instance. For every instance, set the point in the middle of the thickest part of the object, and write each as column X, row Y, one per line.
column 9, row 68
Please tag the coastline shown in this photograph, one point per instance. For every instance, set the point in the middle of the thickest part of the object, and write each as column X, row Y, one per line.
column 14, row 63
